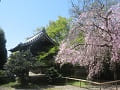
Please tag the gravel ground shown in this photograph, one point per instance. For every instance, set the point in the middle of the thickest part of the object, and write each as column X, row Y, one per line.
column 69, row 87
column 65, row 87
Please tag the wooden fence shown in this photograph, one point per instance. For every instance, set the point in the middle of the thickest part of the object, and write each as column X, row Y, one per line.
column 100, row 85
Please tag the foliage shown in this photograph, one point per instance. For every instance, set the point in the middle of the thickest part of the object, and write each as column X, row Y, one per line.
column 2, row 73
column 48, row 53
column 3, row 77
column 79, row 39
column 3, row 51
column 19, row 64
column 67, row 70
column 53, row 76
column 101, row 46
column 58, row 29
column 47, row 57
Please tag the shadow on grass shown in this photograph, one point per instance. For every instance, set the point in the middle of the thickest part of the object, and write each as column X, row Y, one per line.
column 31, row 86
column 34, row 82
column 6, row 80
column 37, row 82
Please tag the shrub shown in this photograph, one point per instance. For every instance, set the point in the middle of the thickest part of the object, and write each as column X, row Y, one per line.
column 19, row 64
column 67, row 69
column 4, row 78
column 53, row 76
column 2, row 73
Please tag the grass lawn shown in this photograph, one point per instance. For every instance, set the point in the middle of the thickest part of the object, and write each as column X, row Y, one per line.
column 10, row 84
column 19, row 86
column 15, row 85
column 37, row 86
column 77, row 83
column 40, row 83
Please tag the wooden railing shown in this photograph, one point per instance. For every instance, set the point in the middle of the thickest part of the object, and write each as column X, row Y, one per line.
column 95, row 83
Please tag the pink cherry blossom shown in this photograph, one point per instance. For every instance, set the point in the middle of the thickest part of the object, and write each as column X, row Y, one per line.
column 102, row 36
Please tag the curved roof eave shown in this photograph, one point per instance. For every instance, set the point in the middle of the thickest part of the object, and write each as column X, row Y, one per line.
column 34, row 39
column 38, row 36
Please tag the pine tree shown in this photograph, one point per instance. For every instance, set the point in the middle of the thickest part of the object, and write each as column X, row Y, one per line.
column 3, row 51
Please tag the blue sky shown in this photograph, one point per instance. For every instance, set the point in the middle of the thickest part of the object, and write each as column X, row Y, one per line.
column 20, row 18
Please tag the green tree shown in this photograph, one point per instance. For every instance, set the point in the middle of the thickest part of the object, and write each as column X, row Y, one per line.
column 19, row 64
column 46, row 58
column 53, row 76
column 3, row 51
column 58, row 29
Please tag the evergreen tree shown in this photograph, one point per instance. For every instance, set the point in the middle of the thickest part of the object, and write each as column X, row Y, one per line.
column 3, row 51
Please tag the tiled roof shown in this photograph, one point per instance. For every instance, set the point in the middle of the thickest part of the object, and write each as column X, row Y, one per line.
column 39, row 37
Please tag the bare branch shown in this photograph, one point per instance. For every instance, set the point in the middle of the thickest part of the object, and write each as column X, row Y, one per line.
column 102, row 45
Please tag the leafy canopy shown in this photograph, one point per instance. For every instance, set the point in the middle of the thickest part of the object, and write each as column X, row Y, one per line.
column 46, row 58
column 58, row 29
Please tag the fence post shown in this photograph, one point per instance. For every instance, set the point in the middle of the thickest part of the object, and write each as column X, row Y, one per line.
column 80, row 83
column 100, row 86
column 88, row 85
column 66, row 81
column 116, row 86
